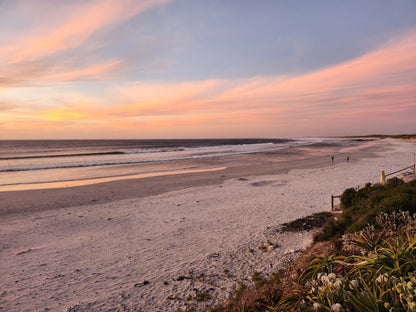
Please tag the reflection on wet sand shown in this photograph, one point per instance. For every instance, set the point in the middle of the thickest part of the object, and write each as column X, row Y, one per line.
column 60, row 184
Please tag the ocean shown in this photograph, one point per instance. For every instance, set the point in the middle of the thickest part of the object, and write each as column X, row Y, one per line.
column 40, row 164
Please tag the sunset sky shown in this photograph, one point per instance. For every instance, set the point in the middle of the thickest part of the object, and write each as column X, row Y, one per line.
column 84, row 69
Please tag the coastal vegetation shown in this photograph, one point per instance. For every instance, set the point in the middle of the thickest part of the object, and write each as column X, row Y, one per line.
column 362, row 260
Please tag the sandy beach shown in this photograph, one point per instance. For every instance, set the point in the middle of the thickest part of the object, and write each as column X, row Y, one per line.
column 154, row 244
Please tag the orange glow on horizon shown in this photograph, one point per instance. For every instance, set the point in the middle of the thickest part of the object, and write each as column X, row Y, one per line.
column 380, row 84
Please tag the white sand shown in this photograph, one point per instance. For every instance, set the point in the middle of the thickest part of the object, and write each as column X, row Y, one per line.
column 96, row 258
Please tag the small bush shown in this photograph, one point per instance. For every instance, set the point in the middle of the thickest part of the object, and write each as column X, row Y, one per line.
column 361, row 207
column 348, row 197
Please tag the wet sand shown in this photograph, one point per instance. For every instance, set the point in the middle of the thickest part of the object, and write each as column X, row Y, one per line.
column 235, row 166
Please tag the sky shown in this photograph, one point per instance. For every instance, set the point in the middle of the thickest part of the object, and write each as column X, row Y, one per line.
column 146, row 69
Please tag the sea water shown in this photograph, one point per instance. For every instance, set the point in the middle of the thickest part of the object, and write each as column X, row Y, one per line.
column 57, row 163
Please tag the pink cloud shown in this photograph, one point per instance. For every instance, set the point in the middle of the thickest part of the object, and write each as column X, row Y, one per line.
column 31, row 56
column 41, row 74
column 74, row 28
column 94, row 72
column 372, row 93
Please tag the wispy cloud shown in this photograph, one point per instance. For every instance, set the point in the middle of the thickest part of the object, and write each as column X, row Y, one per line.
column 377, row 81
column 372, row 93
column 47, row 52
column 94, row 72
column 75, row 28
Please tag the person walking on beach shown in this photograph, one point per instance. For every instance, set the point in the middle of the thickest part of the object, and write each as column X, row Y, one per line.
column 332, row 158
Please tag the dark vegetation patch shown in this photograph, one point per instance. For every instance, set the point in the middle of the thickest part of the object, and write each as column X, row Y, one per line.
column 308, row 223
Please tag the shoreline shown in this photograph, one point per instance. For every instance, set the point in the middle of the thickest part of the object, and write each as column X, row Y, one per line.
column 153, row 251
column 17, row 201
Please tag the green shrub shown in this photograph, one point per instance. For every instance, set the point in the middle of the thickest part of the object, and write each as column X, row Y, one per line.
column 361, row 207
column 348, row 197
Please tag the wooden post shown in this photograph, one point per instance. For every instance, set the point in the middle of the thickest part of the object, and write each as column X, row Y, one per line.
column 332, row 202
column 414, row 163
column 383, row 177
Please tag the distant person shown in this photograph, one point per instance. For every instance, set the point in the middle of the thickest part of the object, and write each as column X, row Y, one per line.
column 348, row 158
column 332, row 158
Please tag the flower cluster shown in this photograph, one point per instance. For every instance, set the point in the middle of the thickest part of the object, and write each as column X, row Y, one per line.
column 326, row 291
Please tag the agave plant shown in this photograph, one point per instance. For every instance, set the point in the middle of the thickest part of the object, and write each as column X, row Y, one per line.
column 364, row 241
column 371, row 297
column 321, row 264
column 295, row 301
column 399, row 257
